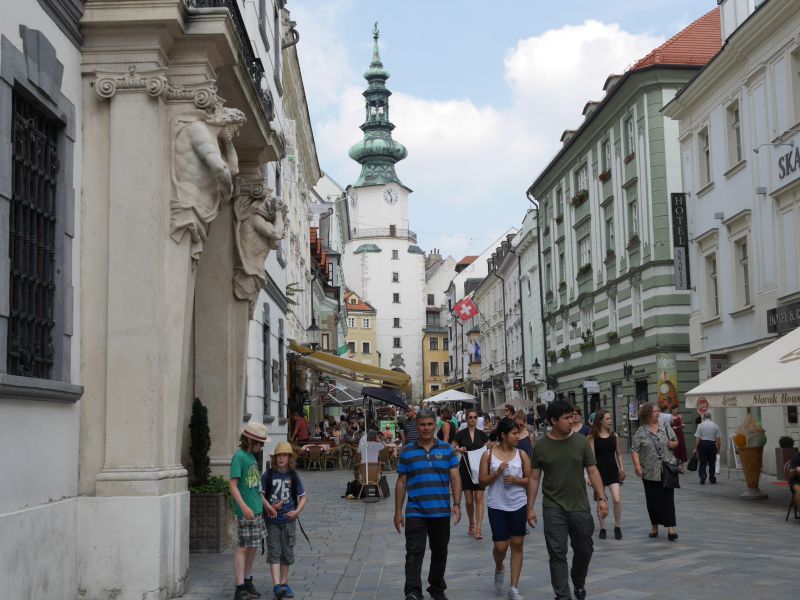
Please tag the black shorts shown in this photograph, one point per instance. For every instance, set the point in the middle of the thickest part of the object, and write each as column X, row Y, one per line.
column 794, row 482
column 506, row 524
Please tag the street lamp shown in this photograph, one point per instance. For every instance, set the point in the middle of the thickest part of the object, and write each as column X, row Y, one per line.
column 313, row 335
column 536, row 368
column 491, row 370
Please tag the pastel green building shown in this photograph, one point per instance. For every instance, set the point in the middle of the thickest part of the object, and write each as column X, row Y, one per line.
column 616, row 328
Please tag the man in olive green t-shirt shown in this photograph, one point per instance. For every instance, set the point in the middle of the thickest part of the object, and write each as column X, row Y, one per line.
column 562, row 456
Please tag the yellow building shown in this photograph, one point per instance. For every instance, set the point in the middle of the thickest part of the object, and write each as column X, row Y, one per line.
column 361, row 330
column 435, row 353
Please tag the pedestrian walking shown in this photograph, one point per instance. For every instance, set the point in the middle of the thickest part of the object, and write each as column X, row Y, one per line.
column 410, row 433
column 425, row 470
column 283, row 491
column 467, row 440
column 525, row 440
column 578, row 426
column 651, row 446
column 248, row 507
column 604, row 443
column 678, row 427
column 794, row 478
column 707, row 439
column 559, row 460
column 446, row 427
column 505, row 471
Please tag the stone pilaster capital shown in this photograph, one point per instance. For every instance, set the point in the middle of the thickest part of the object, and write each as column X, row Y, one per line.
column 157, row 83
column 154, row 82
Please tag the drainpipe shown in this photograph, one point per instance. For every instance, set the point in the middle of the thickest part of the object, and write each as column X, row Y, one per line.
column 541, row 288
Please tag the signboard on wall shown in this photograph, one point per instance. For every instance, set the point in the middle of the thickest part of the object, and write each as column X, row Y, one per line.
column 667, row 381
column 783, row 318
column 680, row 241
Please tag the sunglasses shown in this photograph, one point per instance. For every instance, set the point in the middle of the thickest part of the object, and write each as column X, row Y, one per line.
column 472, row 417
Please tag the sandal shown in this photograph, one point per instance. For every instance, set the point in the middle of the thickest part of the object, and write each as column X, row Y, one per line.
column 471, row 531
column 478, row 534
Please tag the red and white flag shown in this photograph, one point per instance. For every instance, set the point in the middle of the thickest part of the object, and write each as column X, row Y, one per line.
column 466, row 309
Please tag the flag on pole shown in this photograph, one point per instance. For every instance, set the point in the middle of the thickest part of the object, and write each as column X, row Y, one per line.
column 466, row 309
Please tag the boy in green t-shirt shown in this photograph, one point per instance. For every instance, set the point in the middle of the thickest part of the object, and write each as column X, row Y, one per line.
column 247, row 506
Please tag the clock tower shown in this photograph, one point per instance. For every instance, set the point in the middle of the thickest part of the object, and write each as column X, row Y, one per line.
column 382, row 262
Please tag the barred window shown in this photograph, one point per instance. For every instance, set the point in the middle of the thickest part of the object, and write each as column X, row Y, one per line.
column 32, row 241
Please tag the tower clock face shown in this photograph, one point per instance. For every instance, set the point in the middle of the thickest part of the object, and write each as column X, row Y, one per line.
column 391, row 196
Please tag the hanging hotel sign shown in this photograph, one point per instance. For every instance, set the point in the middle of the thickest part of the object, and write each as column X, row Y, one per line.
column 680, row 240
column 783, row 318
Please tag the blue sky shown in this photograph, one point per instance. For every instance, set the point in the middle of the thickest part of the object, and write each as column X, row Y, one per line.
column 481, row 93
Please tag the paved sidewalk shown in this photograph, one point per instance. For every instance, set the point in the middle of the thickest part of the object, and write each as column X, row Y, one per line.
column 727, row 548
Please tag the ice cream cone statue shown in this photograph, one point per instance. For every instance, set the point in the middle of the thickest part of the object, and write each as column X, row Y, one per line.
column 750, row 440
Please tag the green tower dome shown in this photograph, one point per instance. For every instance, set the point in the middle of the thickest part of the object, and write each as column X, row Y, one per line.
column 377, row 153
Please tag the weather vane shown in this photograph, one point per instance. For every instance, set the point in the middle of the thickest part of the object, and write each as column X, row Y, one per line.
column 375, row 32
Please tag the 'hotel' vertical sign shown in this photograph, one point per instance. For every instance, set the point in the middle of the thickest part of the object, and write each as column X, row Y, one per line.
column 680, row 241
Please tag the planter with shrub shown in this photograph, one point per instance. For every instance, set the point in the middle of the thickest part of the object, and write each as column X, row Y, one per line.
column 785, row 451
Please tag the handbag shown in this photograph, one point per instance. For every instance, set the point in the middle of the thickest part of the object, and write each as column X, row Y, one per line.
column 692, row 466
column 670, row 473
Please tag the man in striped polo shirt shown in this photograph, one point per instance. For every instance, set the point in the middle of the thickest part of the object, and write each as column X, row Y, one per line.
column 428, row 471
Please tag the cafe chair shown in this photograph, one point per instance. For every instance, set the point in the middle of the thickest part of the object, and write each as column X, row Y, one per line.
column 792, row 504
column 314, row 457
column 385, row 459
column 369, row 474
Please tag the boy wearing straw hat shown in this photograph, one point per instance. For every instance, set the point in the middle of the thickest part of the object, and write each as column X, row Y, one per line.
column 283, row 492
column 248, row 507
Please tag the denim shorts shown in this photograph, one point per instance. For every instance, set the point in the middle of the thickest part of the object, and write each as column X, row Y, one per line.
column 506, row 524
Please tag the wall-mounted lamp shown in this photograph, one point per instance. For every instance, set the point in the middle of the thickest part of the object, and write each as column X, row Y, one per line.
column 719, row 215
column 789, row 143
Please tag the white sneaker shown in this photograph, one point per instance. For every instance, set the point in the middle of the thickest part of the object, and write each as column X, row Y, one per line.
column 498, row 580
column 513, row 594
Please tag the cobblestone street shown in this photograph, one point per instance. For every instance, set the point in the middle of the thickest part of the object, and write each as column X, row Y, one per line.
column 727, row 546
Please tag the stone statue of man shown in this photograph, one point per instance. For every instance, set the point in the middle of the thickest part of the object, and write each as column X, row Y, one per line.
column 204, row 165
column 260, row 225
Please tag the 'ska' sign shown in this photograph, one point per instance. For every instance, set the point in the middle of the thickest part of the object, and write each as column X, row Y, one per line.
column 680, row 241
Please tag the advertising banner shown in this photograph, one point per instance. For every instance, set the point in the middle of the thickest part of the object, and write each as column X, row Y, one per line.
column 667, row 369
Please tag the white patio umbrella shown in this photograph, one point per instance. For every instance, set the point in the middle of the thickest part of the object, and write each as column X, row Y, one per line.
column 770, row 377
column 451, row 396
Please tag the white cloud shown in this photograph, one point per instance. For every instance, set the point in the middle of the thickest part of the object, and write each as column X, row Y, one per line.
column 464, row 157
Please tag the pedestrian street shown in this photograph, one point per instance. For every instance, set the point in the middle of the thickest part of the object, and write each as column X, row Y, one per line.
column 728, row 548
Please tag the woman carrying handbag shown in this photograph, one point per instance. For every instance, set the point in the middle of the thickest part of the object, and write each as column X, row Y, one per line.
column 655, row 463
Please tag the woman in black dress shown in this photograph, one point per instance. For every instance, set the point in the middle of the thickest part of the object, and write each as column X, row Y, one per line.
column 471, row 438
column 603, row 441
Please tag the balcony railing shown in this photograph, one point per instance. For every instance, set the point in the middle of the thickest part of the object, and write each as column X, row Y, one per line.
column 253, row 64
column 405, row 234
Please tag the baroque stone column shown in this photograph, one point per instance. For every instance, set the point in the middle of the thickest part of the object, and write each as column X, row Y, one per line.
column 159, row 162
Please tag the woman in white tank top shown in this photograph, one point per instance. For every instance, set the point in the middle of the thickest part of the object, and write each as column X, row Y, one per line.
column 505, row 472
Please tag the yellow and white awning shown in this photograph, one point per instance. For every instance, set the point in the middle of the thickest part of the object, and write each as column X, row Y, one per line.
column 351, row 370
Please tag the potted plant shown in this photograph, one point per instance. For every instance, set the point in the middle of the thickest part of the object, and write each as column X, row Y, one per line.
column 562, row 286
column 612, row 336
column 588, row 340
column 564, row 352
column 785, row 451
column 585, row 269
column 633, row 242
column 605, row 175
column 579, row 198
column 551, row 356
column 610, row 255
column 546, row 230
column 208, row 496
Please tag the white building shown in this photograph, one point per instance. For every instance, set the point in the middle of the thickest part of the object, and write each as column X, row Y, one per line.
column 741, row 174
column 382, row 262
column 470, row 271
column 41, row 383
column 531, row 306
column 283, row 311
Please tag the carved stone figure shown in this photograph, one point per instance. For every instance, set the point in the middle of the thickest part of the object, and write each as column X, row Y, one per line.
column 260, row 225
column 204, row 164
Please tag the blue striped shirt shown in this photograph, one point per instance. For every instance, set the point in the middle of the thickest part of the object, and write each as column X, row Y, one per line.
column 427, row 479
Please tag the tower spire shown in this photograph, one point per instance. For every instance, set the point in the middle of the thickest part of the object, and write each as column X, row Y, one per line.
column 377, row 153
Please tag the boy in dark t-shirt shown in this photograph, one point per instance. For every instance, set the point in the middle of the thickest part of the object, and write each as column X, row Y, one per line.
column 283, row 491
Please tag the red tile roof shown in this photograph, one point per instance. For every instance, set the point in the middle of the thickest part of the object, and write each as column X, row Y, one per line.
column 467, row 260
column 359, row 306
column 695, row 45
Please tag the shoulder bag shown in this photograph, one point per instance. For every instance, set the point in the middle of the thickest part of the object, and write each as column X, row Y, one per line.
column 669, row 473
